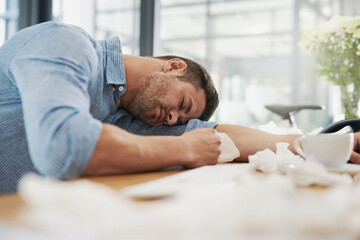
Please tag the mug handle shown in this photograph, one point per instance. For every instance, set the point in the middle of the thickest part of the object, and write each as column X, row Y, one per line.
column 298, row 148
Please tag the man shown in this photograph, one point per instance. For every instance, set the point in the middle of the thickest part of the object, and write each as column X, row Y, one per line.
column 72, row 106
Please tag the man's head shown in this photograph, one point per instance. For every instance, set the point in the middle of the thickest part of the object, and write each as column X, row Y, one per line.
column 197, row 75
column 182, row 90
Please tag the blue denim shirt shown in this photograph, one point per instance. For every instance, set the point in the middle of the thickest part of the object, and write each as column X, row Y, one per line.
column 57, row 86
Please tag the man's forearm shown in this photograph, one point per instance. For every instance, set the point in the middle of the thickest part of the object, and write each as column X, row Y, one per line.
column 250, row 140
column 118, row 151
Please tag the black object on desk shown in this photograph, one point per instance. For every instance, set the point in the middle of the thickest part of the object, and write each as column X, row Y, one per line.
column 354, row 123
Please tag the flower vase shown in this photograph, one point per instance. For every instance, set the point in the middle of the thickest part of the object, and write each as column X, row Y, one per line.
column 336, row 47
column 350, row 95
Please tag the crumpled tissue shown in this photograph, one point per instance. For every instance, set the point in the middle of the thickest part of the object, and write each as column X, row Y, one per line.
column 229, row 151
column 267, row 161
column 303, row 173
column 267, row 206
column 271, row 127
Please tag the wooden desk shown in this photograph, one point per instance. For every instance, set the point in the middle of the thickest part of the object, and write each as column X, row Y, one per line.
column 10, row 205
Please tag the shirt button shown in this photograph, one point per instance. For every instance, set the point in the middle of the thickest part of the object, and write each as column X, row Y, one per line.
column 113, row 89
column 121, row 88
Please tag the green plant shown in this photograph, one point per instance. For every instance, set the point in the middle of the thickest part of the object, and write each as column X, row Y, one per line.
column 336, row 47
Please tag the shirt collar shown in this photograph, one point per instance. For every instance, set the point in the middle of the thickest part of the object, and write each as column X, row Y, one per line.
column 114, row 62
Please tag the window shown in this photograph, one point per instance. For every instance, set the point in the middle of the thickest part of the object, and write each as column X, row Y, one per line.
column 2, row 21
column 103, row 18
column 250, row 48
column 8, row 19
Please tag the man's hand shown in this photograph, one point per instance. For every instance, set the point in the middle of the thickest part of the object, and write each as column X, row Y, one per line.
column 118, row 151
column 355, row 155
column 202, row 146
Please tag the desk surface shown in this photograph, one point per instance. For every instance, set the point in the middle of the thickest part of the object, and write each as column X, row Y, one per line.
column 11, row 204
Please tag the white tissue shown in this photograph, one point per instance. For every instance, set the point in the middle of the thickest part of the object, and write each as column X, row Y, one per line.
column 75, row 206
column 264, row 161
column 268, row 161
column 285, row 157
column 313, row 173
column 303, row 173
column 271, row 127
column 258, row 206
column 229, row 151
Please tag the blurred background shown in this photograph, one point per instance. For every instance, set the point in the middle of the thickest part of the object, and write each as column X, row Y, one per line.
column 250, row 47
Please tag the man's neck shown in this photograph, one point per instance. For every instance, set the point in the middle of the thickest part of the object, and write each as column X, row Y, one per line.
column 136, row 70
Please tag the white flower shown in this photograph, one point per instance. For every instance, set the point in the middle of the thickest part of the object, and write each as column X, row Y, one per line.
column 350, row 24
column 336, row 28
column 309, row 36
column 356, row 33
column 334, row 25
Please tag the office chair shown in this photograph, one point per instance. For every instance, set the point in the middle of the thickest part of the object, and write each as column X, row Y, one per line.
column 288, row 111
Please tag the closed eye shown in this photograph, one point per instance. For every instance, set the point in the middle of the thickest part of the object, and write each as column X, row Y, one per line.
column 189, row 107
column 182, row 104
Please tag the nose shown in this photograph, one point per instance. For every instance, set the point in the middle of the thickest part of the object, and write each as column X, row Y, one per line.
column 172, row 118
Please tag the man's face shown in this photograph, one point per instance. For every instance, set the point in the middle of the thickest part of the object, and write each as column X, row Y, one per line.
column 164, row 99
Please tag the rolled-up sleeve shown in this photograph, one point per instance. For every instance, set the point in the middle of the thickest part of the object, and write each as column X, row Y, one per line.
column 53, row 81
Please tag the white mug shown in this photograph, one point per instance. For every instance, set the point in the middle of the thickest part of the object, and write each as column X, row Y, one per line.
column 331, row 150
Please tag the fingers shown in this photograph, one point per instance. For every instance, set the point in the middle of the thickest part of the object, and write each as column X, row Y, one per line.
column 355, row 158
column 215, row 142
column 203, row 147
column 210, row 145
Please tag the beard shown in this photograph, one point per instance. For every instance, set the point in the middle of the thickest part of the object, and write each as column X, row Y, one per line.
column 147, row 99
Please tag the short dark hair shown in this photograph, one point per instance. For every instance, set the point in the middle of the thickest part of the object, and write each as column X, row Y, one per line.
column 197, row 75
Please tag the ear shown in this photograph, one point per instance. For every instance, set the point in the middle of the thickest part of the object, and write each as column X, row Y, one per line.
column 174, row 64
